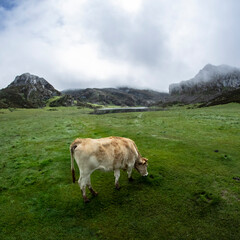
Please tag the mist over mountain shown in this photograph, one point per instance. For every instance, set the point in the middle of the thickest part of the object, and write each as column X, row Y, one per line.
column 210, row 80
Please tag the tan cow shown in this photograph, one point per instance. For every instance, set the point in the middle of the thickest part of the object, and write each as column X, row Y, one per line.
column 108, row 154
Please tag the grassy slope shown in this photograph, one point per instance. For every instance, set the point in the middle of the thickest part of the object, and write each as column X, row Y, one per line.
column 190, row 193
column 52, row 100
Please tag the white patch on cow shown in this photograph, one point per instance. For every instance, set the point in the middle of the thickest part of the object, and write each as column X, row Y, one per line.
column 93, row 162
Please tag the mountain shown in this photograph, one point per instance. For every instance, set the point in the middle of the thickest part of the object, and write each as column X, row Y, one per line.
column 212, row 85
column 117, row 96
column 27, row 91
column 209, row 83
column 211, row 79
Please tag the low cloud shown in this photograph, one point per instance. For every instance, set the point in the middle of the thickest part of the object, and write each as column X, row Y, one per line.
column 144, row 44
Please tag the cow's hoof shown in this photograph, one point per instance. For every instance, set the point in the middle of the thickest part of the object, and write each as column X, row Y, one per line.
column 86, row 200
column 130, row 179
column 94, row 194
column 118, row 187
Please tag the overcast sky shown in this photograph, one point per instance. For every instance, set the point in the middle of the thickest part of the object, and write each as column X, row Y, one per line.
column 112, row 43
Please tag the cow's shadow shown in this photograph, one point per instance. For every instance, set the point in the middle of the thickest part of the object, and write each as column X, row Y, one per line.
column 109, row 197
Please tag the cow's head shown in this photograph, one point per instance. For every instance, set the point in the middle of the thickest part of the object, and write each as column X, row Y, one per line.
column 141, row 166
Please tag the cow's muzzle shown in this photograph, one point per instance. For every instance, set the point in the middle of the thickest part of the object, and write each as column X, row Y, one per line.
column 145, row 174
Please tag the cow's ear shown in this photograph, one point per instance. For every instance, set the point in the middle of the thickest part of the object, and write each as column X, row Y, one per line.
column 144, row 160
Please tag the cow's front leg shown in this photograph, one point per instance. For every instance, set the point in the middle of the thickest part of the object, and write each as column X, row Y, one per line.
column 129, row 172
column 117, row 175
column 82, row 183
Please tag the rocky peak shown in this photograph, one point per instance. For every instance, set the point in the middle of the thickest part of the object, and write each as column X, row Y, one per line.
column 33, row 83
column 27, row 78
column 30, row 90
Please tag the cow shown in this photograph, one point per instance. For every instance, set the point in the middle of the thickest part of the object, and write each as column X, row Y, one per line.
column 107, row 154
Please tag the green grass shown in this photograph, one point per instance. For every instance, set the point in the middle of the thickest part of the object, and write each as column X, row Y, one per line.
column 190, row 193
column 52, row 100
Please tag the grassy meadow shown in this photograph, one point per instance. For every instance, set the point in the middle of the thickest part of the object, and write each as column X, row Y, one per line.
column 192, row 191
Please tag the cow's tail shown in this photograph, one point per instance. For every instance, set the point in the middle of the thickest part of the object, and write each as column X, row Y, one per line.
column 72, row 148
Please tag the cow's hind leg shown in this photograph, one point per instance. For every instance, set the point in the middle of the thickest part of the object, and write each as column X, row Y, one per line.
column 117, row 175
column 90, row 187
column 82, row 183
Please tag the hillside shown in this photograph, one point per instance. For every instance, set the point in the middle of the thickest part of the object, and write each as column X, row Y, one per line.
column 117, row 96
column 27, row 91
column 224, row 98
